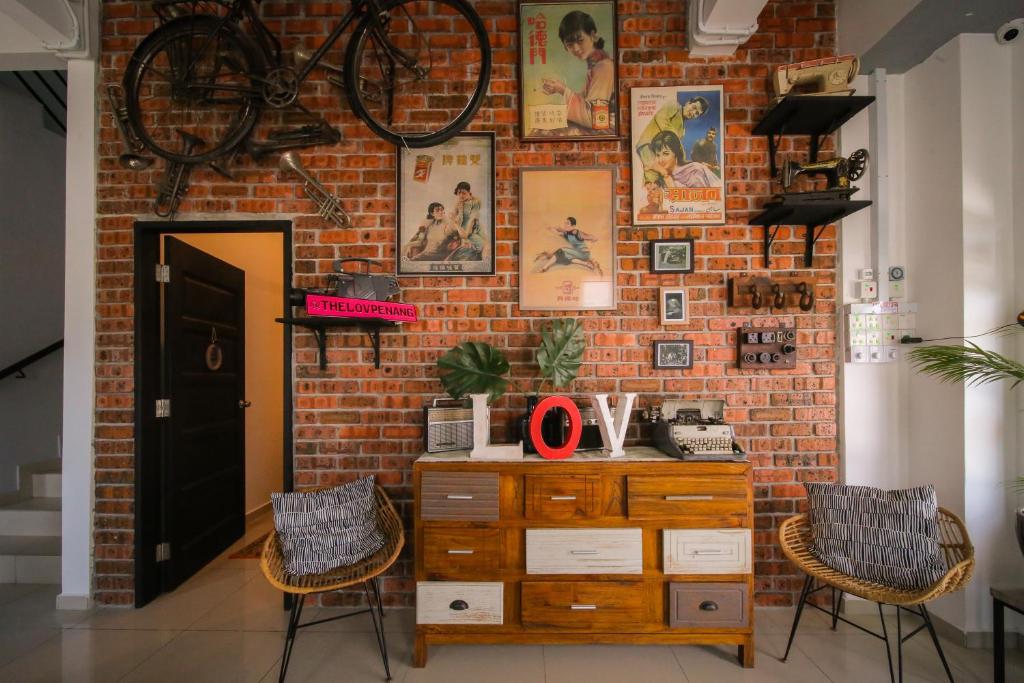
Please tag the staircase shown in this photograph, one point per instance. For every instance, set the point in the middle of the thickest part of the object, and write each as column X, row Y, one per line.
column 30, row 527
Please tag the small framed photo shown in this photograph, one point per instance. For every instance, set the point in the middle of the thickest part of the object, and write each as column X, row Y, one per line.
column 446, row 207
column 673, row 305
column 672, row 256
column 568, row 70
column 673, row 354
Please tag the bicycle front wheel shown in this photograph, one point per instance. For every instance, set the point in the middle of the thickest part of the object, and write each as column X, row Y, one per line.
column 417, row 73
column 192, row 90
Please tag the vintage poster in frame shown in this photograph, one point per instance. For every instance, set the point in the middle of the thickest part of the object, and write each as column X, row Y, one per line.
column 568, row 74
column 446, row 207
column 677, row 149
column 567, row 239
column 671, row 256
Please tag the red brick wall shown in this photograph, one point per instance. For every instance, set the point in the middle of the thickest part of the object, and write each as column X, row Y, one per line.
column 352, row 420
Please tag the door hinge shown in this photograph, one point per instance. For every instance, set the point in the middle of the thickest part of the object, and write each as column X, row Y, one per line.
column 163, row 407
column 163, row 273
column 163, row 552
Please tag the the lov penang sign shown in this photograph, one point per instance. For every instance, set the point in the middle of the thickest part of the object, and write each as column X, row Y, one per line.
column 321, row 305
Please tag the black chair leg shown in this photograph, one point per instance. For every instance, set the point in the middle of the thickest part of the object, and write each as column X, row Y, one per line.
column 378, row 623
column 899, row 641
column 885, row 637
column 375, row 584
column 799, row 610
column 935, row 639
column 289, row 641
column 836, row 606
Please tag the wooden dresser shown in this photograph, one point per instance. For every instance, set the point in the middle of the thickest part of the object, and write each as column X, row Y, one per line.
column 639, row 549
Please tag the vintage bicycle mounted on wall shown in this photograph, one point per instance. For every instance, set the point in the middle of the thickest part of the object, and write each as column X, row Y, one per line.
column 415, row 72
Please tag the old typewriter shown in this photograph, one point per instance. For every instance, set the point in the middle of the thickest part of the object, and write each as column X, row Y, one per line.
column 696, row 430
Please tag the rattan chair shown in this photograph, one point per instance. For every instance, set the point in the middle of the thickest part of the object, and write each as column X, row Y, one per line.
column 365, row 572
column 795, row 536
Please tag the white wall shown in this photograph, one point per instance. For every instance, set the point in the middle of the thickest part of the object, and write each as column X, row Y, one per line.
column 31, row 281
column 955, row 204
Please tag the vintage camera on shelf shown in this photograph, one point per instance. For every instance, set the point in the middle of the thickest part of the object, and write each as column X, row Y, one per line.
column 352, row 285
column 839, row 172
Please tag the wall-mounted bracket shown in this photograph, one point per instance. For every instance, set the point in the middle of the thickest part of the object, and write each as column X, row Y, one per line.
column 816, row 215
column 319, row 327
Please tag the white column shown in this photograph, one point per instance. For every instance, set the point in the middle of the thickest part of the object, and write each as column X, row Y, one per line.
column 79, row 338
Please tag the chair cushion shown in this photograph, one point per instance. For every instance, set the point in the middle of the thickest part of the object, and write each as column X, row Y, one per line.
column 887, row 537
column 324, row 530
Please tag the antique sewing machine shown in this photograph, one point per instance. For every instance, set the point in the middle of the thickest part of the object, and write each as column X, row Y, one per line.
column 838, row 171
column 826, row 76
column 695, row 430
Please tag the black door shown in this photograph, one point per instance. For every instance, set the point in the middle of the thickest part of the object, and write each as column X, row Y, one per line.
column 203, row 463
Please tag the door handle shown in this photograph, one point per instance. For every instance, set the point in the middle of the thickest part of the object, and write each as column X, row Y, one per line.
column 242, row 403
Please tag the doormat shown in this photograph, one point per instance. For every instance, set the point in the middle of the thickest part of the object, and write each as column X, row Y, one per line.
column 251, row 551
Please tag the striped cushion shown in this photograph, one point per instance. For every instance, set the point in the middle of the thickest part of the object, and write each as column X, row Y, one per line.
column 324, row 530
column 888, row 537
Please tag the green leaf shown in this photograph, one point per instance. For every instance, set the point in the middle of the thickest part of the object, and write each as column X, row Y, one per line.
column 969, row 364
column 561, row 351
column 474, row 368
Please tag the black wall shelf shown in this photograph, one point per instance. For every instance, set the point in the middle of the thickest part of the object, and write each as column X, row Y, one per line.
column 815, row 215
column 815, row 115
column 319, row 326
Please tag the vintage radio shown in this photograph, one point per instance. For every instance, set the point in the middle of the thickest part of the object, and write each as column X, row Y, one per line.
column 696, row 430
column 590, row 438
column 449, row 426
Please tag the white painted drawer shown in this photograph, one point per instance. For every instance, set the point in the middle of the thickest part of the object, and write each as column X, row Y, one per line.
column 455, row 602
column 584, row 551
column 707, row 551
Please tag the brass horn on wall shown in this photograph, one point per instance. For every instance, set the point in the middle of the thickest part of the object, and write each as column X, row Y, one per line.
column 328, row 206
column 130, row 159
column 175, row 181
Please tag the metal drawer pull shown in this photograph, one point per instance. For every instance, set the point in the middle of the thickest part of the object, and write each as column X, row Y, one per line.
column 583, row 552
column 459, row 605
column 587, row 607
column 460, row 552
column 709, row 606
column 689, row 497
column 708, row 552
column 456, row 496
column 563, row 497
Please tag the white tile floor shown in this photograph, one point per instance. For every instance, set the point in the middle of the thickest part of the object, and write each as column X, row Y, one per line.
column 226, row 624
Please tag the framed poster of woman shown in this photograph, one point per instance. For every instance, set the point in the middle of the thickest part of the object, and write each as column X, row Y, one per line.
column 567, row 239
column 568, row 74
column 677, row 145
column 446, row 208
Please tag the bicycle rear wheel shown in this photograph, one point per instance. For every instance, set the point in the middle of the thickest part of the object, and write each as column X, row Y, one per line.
column 193, row 76
column 434, row 87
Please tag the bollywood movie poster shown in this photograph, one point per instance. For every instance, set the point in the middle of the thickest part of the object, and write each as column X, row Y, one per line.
column 446, row 207
column 568, row 74
column 677, row 144
column 567, row 239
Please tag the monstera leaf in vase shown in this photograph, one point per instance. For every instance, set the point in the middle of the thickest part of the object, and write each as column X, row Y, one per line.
column 561, row 352
column 474, row 368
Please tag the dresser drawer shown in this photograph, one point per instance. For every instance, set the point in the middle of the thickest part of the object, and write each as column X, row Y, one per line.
column 451, row 602
column 553, row 497
column 583, row 605
column 666, row 497
column 470, row 496
column 584, row 551
column 453, row 551
column 707, row 551
column 708, row 605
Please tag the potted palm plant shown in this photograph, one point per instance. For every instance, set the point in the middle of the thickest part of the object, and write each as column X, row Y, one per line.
column 559, row 357
column 972, row 365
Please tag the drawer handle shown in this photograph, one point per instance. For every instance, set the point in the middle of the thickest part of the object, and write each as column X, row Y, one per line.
column 457, row 496
column 708, row 552
column 583, row 607
column 563, row 497
column 709, row 606
column 459, row 605
column 460, row 552
column 583, row 552
column 689, row 497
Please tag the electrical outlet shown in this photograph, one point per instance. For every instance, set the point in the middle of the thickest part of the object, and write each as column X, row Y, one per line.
column 867, row 289
column 867, row 274
column 897, row 289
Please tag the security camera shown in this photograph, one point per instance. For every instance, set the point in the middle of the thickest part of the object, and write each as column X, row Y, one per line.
column 1010, row 31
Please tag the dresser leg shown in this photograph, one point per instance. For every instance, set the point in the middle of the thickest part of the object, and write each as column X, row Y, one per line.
column 746, row 654
column 419, row 657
